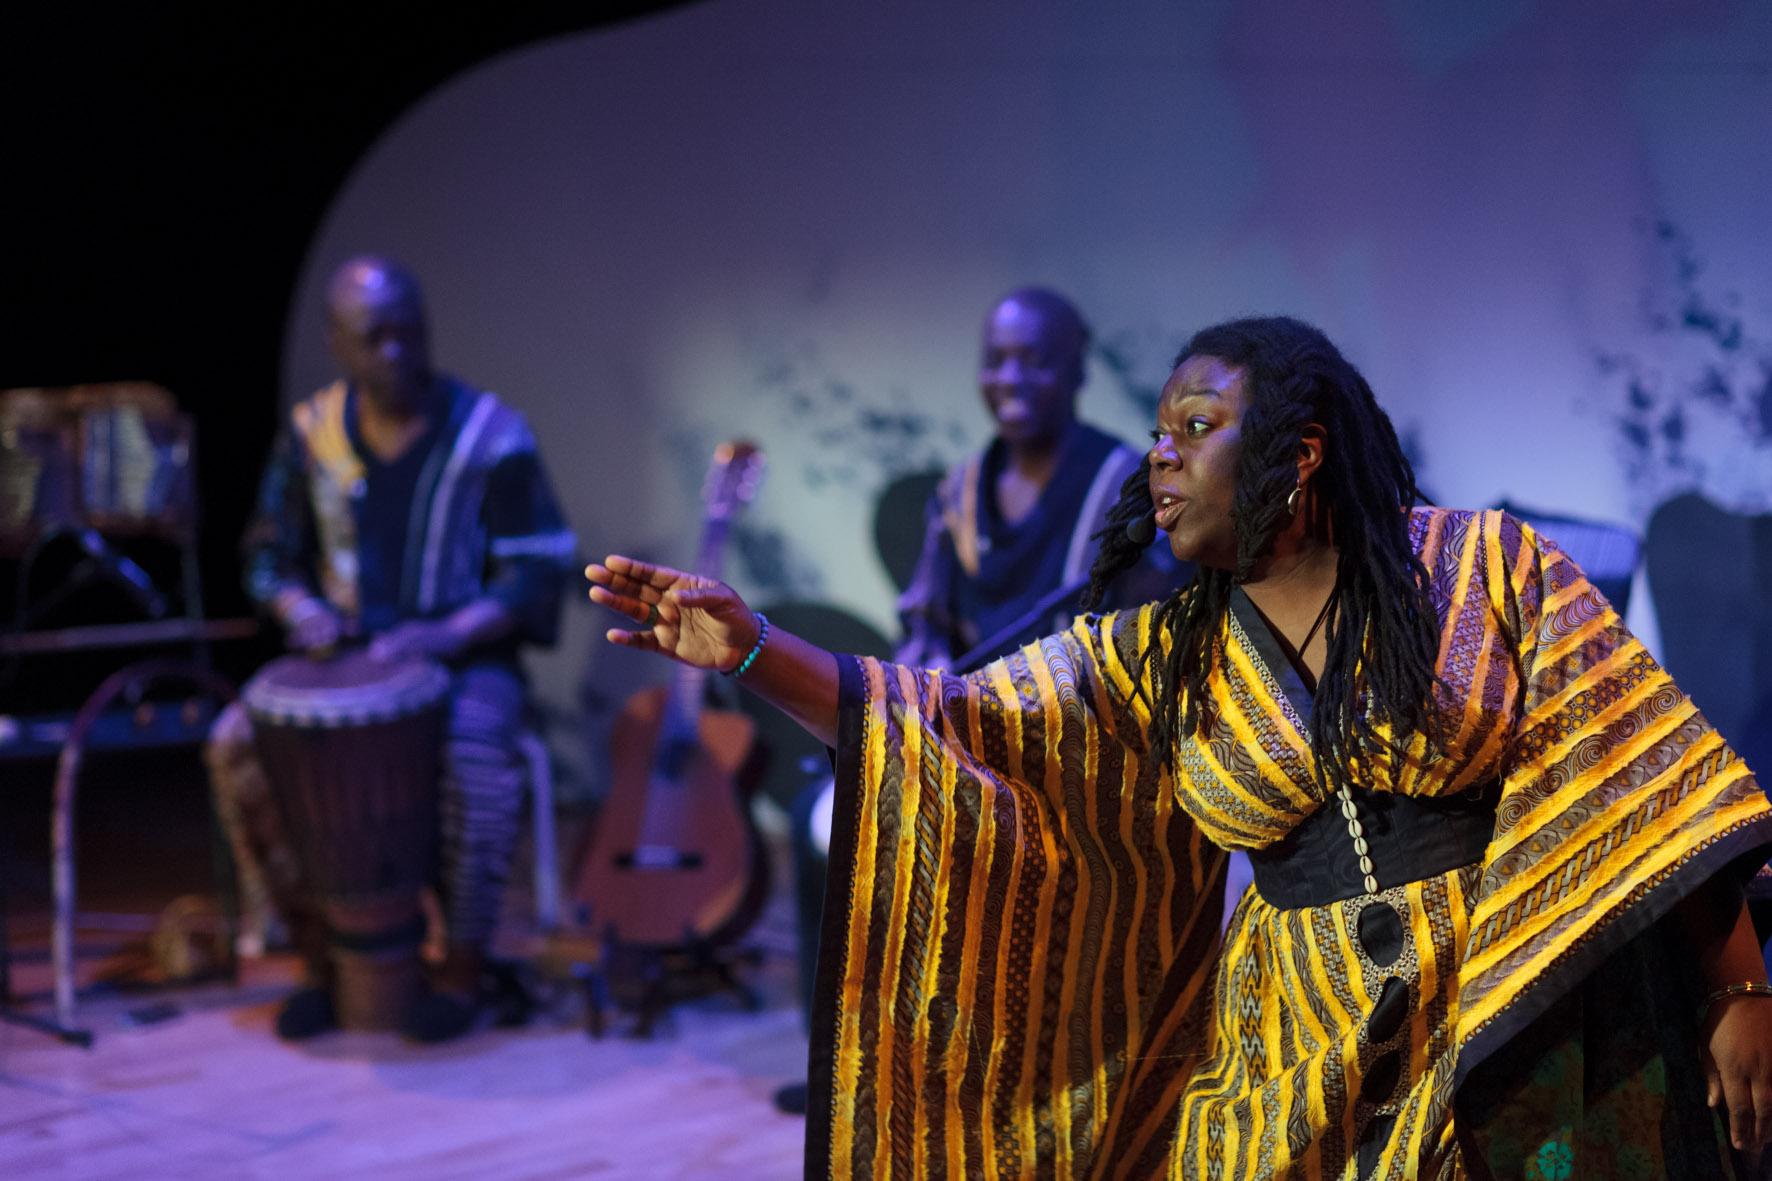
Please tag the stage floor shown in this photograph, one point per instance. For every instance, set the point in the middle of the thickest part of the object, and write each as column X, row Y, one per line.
column 191, row 1082
column 209, row 1092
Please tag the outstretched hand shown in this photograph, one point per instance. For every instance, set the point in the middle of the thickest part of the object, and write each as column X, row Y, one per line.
column 696, row 620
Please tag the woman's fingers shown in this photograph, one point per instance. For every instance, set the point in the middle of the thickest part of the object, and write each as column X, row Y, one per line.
column 677, row 615
column 641, row 573
column 1738, row 1100
column 622, row 584
column 644, row 640
column 634, row 608
column 1763, row 1115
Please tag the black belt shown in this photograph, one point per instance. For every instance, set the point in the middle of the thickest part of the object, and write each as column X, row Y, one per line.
column 1409, row 838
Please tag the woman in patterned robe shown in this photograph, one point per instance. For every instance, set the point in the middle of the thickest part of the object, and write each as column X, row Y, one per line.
column 1498, row 856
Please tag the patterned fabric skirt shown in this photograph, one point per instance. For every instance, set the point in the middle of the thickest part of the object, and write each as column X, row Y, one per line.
column 1331, row 1054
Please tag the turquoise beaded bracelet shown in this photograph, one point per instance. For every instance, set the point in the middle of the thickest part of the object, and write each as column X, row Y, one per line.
column 744, row 666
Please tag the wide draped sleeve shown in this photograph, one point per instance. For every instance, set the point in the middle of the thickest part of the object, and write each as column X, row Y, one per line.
column 1618, row 798
column 1020, row 922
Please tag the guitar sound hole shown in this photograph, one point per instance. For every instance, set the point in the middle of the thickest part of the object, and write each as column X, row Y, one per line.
column 676, row 755
column 658, row 857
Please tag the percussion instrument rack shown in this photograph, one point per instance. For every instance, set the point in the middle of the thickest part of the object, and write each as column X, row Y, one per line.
column 115, row 717
column 130, row 683
column 83, row 467
column 97, row 637
column 134, row 726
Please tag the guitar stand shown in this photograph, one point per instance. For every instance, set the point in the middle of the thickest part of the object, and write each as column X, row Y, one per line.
column 649, row 980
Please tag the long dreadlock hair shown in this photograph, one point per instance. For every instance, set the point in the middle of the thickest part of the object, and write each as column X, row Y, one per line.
column 1382, row 631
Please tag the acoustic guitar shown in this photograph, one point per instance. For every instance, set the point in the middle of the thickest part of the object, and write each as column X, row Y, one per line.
column 675, row 862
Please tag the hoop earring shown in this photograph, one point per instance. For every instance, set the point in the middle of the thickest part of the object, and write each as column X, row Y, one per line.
column 1292, row 500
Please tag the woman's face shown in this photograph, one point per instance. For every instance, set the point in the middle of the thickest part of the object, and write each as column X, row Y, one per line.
column 1194, row 459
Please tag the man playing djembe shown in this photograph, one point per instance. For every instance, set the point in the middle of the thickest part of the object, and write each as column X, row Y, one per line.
column 408, row 512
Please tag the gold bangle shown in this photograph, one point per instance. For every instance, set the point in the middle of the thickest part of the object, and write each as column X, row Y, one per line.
column 1745, row 988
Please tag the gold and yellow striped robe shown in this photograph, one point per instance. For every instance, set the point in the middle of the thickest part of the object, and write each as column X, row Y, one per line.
column 1023, row 973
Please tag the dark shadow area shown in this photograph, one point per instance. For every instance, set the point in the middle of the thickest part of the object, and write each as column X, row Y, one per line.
column 142, row 828
column 168, row 166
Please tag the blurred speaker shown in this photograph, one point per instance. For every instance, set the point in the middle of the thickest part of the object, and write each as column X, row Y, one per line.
column 1711, row 571
column 901, row 516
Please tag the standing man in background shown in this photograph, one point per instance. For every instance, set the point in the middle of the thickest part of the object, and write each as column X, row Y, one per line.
column 1009, row 542
column 408, row 511
column 1011, row 530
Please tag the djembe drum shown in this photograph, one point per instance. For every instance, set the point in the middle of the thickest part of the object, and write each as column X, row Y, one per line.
column 352, row 748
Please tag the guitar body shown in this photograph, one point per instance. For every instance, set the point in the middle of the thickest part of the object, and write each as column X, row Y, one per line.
column 674, row 860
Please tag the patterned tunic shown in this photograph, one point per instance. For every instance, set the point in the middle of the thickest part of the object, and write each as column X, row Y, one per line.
column 980, row 578
column 484, row 523
column 1023, row 974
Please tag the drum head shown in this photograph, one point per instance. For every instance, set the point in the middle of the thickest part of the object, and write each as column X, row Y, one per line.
column 346, row 690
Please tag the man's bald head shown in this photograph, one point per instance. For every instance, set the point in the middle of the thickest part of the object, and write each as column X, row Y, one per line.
column 375, row 319
column 1065, row 325
column 372, row 278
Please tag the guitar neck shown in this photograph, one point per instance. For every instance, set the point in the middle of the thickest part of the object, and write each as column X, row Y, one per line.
column 682, row 712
